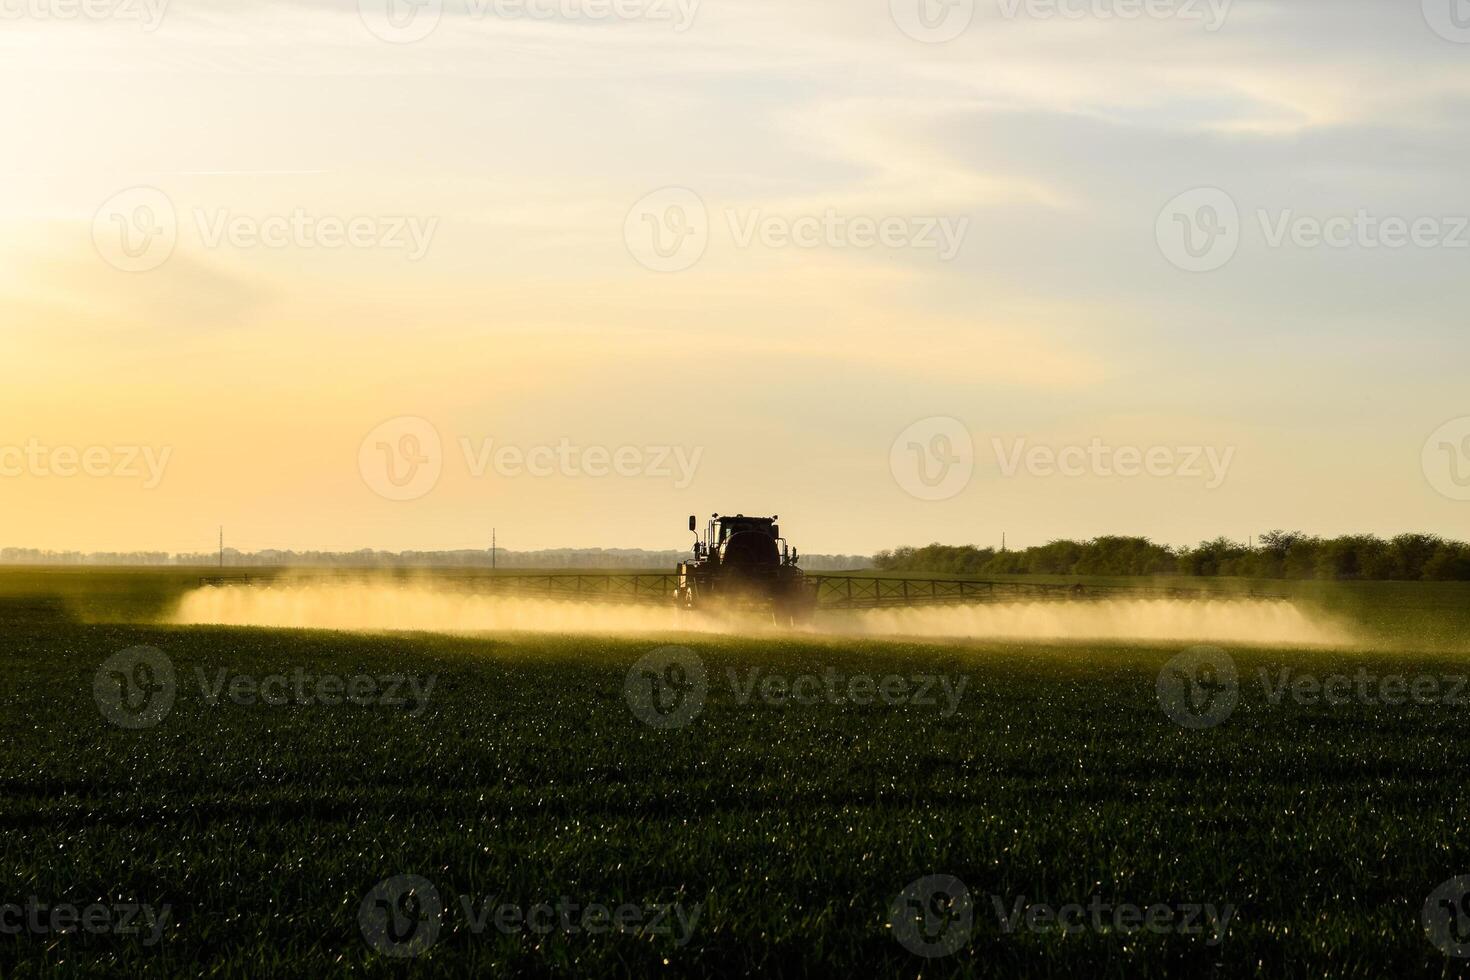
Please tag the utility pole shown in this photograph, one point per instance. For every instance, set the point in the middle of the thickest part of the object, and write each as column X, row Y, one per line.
column 221, row 546
column 1002, row 542
column 492, row 549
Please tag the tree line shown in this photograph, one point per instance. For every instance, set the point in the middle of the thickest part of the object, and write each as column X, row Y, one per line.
column 1276, row 554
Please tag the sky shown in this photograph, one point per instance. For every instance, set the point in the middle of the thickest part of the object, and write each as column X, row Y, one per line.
column 385, row 274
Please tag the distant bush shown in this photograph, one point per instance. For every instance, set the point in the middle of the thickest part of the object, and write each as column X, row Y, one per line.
column 1277, row 554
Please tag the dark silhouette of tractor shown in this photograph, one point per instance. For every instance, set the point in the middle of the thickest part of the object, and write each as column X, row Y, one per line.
column 744, row 563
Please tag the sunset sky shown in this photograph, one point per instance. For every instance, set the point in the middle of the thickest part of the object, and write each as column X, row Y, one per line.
column 498, row 172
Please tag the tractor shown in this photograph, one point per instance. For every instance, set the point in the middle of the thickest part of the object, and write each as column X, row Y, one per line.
column 744, row 563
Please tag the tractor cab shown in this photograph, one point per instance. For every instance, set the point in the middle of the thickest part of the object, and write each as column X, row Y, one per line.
column 748, row 542
column 743, row 560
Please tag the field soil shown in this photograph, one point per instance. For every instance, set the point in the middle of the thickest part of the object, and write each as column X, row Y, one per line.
column 775, row 831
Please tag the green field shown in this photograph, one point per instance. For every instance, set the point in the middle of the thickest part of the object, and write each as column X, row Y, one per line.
column 526, row 777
